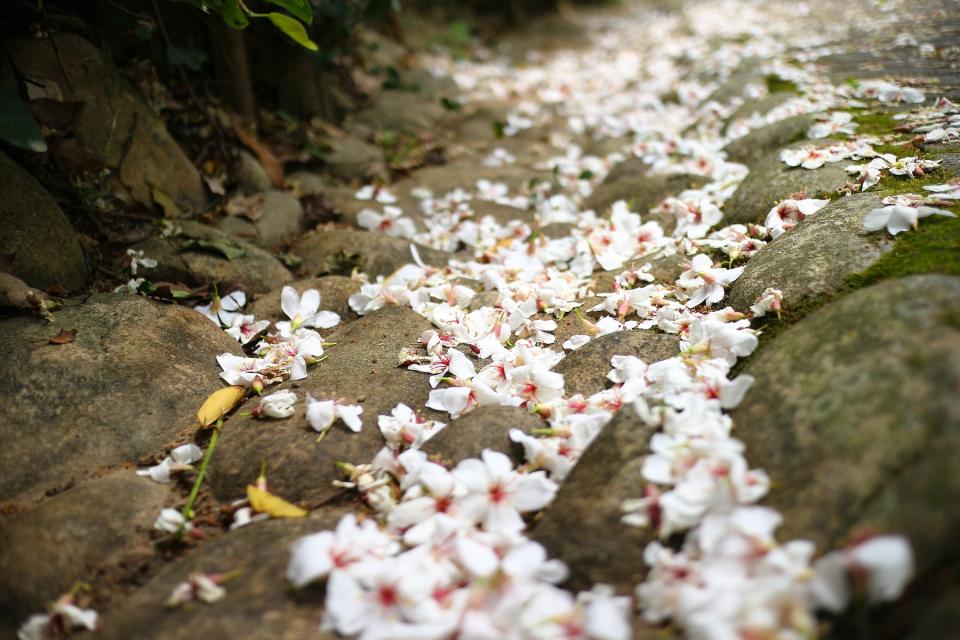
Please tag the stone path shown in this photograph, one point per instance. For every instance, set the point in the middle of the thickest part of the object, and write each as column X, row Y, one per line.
column 639, row 282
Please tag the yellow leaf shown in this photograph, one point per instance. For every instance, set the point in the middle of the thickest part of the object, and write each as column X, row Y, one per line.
column 219, row 403
column 265, row 502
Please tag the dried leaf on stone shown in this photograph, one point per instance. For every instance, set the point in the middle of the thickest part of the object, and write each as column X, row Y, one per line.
column 66, row 336
column 219, row 403
column 226, row 248
column 265, row 502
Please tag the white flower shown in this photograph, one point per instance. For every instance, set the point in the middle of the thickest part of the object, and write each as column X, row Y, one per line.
column 809, row 157
column 898, row 218
column 137, row 259
column 303, row 311
column 404, row 428
column 350, row 544
column 497, row 495
column 886, row 561
column 391, row 222
column 198, row 586
column 179, row 459
column 714, row 339
column 243, row 328
column 785, row 215
column 770, row 300
column 370, row 192
column 321, row 414
column 706, row 281
column 64, row 616
column 238, row 370
column 838, row 122
column 223, row 310
column 171, row 521
column 277, row 405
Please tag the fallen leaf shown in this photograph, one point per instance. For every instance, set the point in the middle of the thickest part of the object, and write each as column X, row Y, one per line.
column 265, row 502
column 268, row 160
column 251, row 207
column 66, row 336
column 226, row 248
column 219, row 403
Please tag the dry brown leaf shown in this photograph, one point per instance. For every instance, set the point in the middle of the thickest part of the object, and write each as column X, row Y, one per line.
column 66, row 336
column 219, row 403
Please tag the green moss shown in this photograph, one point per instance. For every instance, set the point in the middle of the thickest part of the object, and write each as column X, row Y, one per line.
column 934, row 247
column 891, row 185
column 776, row 83
column 871, row 123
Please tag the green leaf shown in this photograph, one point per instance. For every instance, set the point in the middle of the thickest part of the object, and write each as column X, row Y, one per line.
column 227, row 248
column 233, row 15
column 294, row 30
column 17, row 125
column 300, row 9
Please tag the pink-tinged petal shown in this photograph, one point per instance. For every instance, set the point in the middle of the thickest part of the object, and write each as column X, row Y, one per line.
column 347, row 609
column 452, row 400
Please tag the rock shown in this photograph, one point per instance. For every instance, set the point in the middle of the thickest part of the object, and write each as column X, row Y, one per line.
column 632, row 167
column 815, row 257
column 334, row 293
column 503, row 214
column 404, row 112
column 339, row 251
column 666, row 270
column 760, row 106
column 482, row 428
column 606, row 146
column 181, row 260
column 463, row 173
column 748, row 72
column 362, row 369
column 114, row 126
column 770, row 181
column 868, row 438
column 352, row 159
column 759, row 143
column 557, row 230
column 280, row 220
column 306, row 183
column 570, row 324
column 130, row 382
column 941, row 617
column 37, row 243
column 43, row 552
column 582, row 526
column 250, row 174
column 432, row 86
column 260, row 604
column 585, row 370
column 641, row 193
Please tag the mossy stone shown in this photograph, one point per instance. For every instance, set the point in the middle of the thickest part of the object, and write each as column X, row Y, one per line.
column 814, row 258
column 771, row 180
column 483, row 428
column 759, row 143
column 854, row 416
column 641, row 193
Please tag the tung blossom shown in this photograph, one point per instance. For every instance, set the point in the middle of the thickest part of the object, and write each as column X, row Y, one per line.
column 706, row 282
column 304, row 311
column 900, row 218
column 497, row 495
